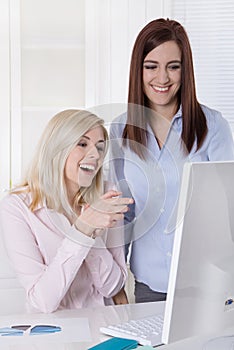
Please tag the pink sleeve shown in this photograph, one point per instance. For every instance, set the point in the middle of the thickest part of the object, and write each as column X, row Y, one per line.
column 107, row 265
column 45, row 285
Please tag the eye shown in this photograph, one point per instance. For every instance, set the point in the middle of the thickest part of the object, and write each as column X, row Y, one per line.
column 174, row 66
column 82, row 144
column 100, row 148
column 150, row 66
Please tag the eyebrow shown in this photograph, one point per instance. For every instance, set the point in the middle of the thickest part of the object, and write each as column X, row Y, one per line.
column 88, row 138
column 151, row 61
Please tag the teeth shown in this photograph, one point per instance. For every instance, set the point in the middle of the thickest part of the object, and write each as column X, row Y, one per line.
column 87, row 167
column 161, row 88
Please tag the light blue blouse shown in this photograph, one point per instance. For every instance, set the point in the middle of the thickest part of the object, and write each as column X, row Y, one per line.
column 154, row 184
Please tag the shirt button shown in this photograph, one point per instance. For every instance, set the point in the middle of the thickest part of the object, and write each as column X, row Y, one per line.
column 162, row 210
column 169, row 254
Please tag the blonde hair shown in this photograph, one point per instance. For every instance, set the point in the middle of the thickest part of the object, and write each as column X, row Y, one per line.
column 45, row 176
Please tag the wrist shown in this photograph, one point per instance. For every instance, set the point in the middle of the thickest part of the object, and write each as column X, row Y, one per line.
column 85, row 229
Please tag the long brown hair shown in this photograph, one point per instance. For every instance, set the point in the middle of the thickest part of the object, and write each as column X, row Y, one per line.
column 194, row 121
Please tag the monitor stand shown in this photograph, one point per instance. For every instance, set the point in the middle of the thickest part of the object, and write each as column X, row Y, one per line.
column 220, row 343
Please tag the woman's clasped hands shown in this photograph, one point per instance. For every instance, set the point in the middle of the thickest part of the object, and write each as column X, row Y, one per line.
column 103, row 214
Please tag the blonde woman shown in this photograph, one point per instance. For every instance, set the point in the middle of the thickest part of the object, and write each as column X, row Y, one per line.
column 62, row 231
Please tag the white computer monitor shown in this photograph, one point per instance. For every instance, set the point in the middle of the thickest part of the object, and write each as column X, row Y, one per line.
column 201, row 284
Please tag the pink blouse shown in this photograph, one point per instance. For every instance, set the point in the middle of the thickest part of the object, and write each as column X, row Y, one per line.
column 60, row 267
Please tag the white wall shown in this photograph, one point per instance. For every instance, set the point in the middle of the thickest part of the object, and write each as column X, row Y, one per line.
column 53, row 64
column 5, row 97
column 111, row 29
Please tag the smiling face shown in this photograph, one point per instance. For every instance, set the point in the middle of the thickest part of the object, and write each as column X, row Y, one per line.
column 162, row 78
column 84, row 160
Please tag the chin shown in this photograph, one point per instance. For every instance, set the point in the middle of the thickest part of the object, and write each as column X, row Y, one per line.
column 86, row 183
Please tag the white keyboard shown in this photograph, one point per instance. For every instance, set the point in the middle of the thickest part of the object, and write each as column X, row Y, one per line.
column 147, row 330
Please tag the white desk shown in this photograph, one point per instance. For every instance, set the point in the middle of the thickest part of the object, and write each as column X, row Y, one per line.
column 91, row 320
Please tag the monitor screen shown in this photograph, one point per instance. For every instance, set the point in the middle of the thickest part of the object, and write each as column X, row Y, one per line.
column 201, row 285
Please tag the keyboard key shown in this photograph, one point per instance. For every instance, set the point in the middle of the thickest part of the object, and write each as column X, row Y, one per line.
column 147, row 331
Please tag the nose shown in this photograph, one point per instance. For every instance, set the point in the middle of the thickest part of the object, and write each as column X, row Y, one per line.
column 162, row 76
column 93, row 152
